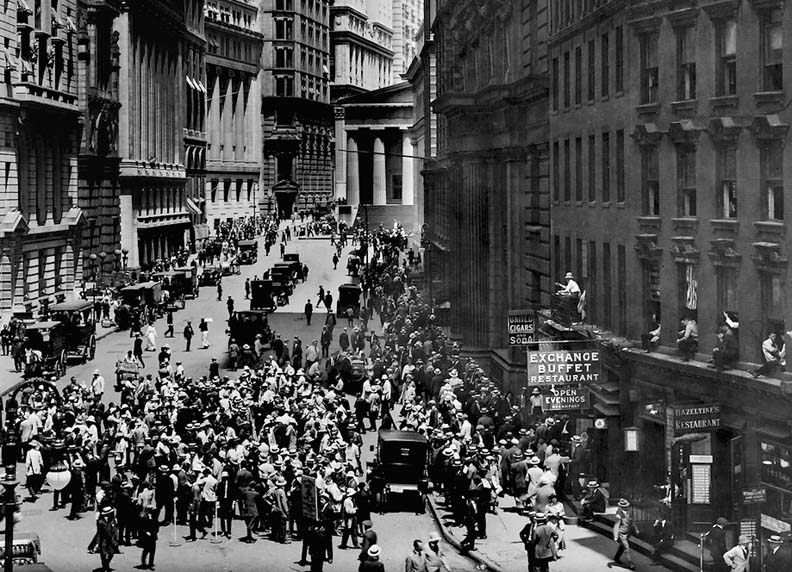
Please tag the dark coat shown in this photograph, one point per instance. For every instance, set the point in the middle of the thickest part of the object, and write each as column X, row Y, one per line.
column 717, row 543
column 544, row 539
column 780, row 560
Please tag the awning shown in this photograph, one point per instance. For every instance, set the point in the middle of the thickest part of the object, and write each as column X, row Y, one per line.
column 190, row 82
column 201, row 86
column 192, row 207
column 607, row 410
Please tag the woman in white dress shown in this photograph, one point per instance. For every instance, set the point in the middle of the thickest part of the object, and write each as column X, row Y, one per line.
column 151, row 338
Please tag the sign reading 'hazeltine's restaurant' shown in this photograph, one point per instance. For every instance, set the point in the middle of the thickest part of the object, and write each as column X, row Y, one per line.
column 563, row 367
column 695, row 418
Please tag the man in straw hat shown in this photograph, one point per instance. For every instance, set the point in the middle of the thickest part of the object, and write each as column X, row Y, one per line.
column 737, row 559
column 622, row 529
column 372, row 562
column 107, row 537
column 779, row 554
column 435, row 557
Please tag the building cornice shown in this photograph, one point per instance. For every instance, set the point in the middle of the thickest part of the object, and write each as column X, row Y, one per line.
column 352, row 38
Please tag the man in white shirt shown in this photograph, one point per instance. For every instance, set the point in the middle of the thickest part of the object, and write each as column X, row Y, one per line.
column 737, row 558
column 97, row 384
column 772, row 355
column 571, row 288
column 34, row 465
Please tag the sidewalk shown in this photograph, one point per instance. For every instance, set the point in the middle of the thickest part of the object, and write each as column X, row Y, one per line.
column 503, row 551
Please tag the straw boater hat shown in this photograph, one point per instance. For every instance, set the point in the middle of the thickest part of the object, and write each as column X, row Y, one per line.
column 624, row 503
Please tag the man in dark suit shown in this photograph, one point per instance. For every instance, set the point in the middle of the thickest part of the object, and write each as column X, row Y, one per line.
column 663, row 537
column 716, row 539
column 544, row 540
column 779, row 555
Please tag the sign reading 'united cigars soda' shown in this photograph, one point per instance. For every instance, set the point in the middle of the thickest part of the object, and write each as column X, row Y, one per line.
column 563, row 367
column 695, row 418
column 520, row 325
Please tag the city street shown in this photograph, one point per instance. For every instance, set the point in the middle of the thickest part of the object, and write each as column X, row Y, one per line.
column 64, row 542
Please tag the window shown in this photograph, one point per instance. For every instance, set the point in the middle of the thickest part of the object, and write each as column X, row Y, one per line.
column 592, row 169
column 591, row 295
column 772, row 181
column 284, row 86
column 773, row 301
column 284, row 57
column 727, row 291
column 686, row 63
column 688, row 290
column 591, row 70
column 619, row 57
column 284, row 28
column 578, row 168
column 686, row 182
column 605, row 157
column 606, row 285
column 727, row 182
column 566, row 79
column 649, row 77
column 554, row 73
column 621, row 293
column 605, row 65
column 650, row 182
column 556, row 172
column 578, row 75
column 567, row 165
column 726, row 64
column 620, row 166
column 284, row 5
column 773, row 52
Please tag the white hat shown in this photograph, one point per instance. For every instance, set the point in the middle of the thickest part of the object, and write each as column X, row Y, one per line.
column 374, row 551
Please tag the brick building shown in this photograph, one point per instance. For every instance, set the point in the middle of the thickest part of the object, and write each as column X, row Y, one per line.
column 667, row 130
column 42, row 224
column 234, row 111
column 297, row 165
column 486, row 197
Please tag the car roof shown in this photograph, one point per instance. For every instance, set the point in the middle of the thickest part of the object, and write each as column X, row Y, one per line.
column 74, row 305
column 349, row 287
column 402, row 436
column 247, row 242
column 44, row 325
column 251, row 312
column 168, row 273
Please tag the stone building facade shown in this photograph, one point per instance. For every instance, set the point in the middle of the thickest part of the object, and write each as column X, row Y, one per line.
column 407, row 19
column 234, row 110
column 42, row 225
column 486, row 195
column 297, row 119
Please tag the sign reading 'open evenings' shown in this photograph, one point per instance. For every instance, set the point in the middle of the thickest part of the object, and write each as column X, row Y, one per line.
column 563, row 367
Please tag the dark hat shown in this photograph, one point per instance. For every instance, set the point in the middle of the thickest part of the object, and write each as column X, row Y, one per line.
column 722, row 521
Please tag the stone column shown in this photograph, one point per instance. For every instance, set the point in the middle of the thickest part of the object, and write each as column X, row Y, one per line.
column 228, row 121
column 129, row 239
column 408, row 195
column 6, row 281
column 340, row 152
column 353, row 174
column 378, row 180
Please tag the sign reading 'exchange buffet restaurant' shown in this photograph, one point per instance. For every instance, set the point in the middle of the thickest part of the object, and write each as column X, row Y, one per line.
column 563, row 367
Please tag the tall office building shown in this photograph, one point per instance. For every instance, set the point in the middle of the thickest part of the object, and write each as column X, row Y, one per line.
column 297, row 165
column 234, row 110
column 407, row 17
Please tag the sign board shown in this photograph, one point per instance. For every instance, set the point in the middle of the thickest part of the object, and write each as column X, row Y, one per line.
column 559, row 367
column 748, row 527
column 701, row 480
column 701, row 459
column 770, row 523
column 695, row 418
column 754, row 496
column 310, row 499
column 520, row 325
column 567, row 398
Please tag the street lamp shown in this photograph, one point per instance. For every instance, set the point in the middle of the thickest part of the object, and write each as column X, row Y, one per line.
column 426, row 244
column 9, row 483
column 93, row 258
column 125, row 254
column 102, row 256
column 117, row 259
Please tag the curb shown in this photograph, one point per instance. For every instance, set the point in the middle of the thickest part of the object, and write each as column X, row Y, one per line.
column 449, row 537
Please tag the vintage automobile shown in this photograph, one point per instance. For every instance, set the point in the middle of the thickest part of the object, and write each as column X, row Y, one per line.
column 175, row 283
column 400, row 466
column 281, row 280
column 79, row 328
column 191, row 280
column 48, row 344
column 209, row 276
column 289, row 269
column 142, row 294
column 26, row 549
column 126, row 371
column 348, row 297
column 248, row 251
column 262, row 295
column 244, row 325
column 293, row 258
column 230, row 266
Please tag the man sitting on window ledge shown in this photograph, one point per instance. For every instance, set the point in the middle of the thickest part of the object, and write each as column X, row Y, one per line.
column 773, row 355
column 687, row 343
column 725, row 352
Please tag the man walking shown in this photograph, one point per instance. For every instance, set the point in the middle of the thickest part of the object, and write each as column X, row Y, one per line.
column 230, row 305
column 247, row 288
column 188, row 335
column 169, row 321
column 416, row 560
column 137, row 350
column 308, row 312
column 622, row 529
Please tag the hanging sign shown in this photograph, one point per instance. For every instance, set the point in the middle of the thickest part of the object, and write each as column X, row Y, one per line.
column 695, row 418
column 520, row 327
column 561, row 367
column 567, row 398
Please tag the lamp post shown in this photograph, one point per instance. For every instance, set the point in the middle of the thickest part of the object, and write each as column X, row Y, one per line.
column 426, row 244
column 117, row 259
column 125, row 255
column 9, row 483
column 93, row 258
column 102, row 256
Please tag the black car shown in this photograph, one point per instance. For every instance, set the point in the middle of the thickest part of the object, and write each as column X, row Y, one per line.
column 400, row 466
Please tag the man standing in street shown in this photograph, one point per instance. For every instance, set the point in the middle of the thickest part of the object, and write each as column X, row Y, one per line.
column 737, row 558
column 435, row 558
column 416, row 560
column 622, row 529
column 779, row 555
column 219, row 288
column 137, row 350
column 247, row 288
column 343, row 340
column 188, row 335
column 308, row 312
column 544, row 544
column 230, row 304
column 203, row 326
column 97, row 385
